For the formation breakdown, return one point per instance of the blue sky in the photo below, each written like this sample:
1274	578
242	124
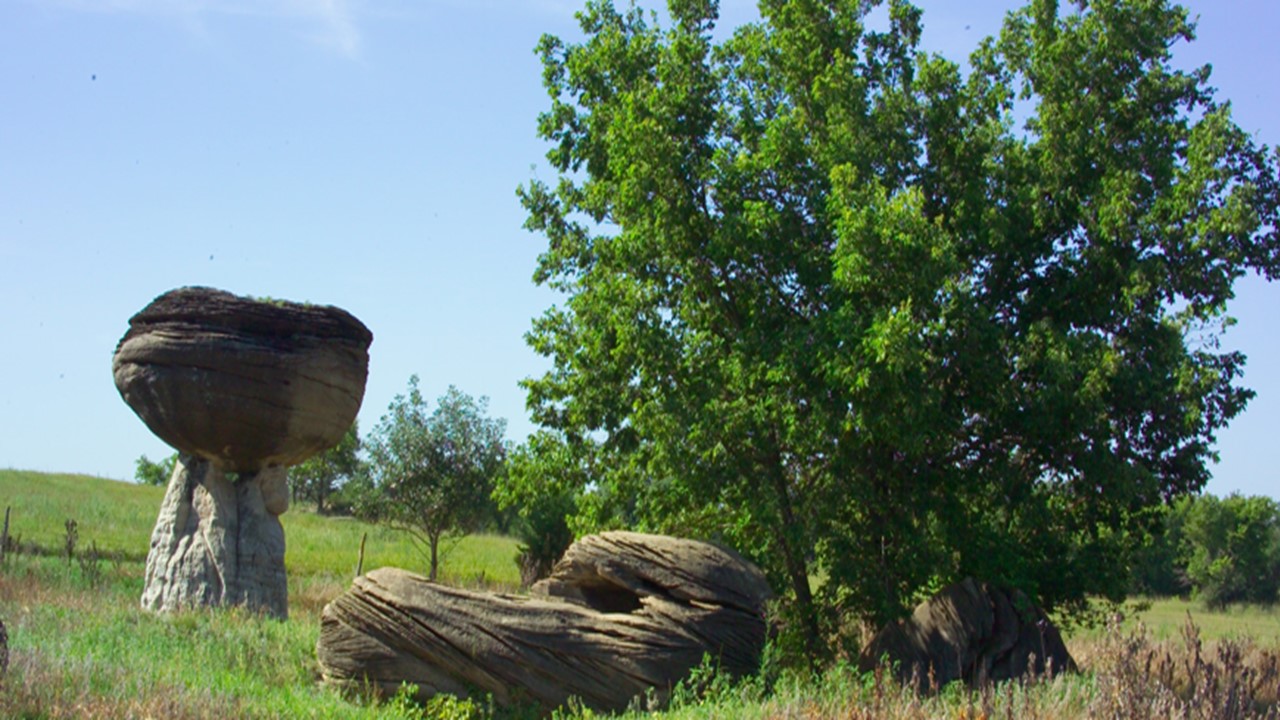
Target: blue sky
365	154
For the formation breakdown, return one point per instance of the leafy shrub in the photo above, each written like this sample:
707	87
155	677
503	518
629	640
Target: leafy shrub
544	534
154	473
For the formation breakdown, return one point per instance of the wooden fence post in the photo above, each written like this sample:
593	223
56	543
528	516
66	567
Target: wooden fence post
360	562
4	536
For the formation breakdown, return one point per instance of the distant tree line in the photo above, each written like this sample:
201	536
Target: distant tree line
1219	550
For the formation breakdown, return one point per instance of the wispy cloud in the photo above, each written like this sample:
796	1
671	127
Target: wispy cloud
329	23
336	22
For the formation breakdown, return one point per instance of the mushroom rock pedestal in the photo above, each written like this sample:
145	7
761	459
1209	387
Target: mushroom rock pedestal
242	388
622	614
218	540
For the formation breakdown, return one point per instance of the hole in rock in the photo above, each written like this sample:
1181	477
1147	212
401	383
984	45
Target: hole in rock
607	597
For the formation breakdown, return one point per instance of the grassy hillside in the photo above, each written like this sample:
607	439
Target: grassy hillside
118	517
81	647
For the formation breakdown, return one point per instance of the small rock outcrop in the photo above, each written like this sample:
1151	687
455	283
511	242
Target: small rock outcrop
242	388
971	631
621	614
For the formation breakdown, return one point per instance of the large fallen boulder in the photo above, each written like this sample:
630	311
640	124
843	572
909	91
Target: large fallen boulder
622	614
971	631
242	388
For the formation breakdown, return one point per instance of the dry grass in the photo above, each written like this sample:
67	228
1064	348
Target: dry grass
1125	675
308	595
1138	677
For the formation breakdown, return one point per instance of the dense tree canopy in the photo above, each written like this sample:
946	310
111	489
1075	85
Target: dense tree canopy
1230	549
541	485
1222	550
867	315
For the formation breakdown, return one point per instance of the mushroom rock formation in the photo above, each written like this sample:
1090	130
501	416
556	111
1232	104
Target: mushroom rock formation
621	614
971	631
241	388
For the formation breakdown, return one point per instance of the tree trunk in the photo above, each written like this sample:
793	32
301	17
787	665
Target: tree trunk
434	541
793	558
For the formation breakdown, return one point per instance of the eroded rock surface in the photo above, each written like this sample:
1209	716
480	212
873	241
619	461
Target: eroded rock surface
621	614
218	541
242	388
246	383
971	631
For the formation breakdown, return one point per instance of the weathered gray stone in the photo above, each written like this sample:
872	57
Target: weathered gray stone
275	489
243	382
216	542
242	388
622	614
971	631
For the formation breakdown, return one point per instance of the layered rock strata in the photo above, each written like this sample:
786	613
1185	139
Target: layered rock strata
245	383
218	540
242	388
622	615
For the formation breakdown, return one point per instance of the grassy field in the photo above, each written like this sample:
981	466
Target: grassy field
81	647
118	517
1164	619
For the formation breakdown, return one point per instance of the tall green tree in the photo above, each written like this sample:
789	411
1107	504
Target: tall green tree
835	301
317	477
432	473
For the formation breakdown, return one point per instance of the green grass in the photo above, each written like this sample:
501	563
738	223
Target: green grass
1166	617
82	648
117	516
315	544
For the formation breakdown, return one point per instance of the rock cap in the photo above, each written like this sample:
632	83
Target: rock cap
243	382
